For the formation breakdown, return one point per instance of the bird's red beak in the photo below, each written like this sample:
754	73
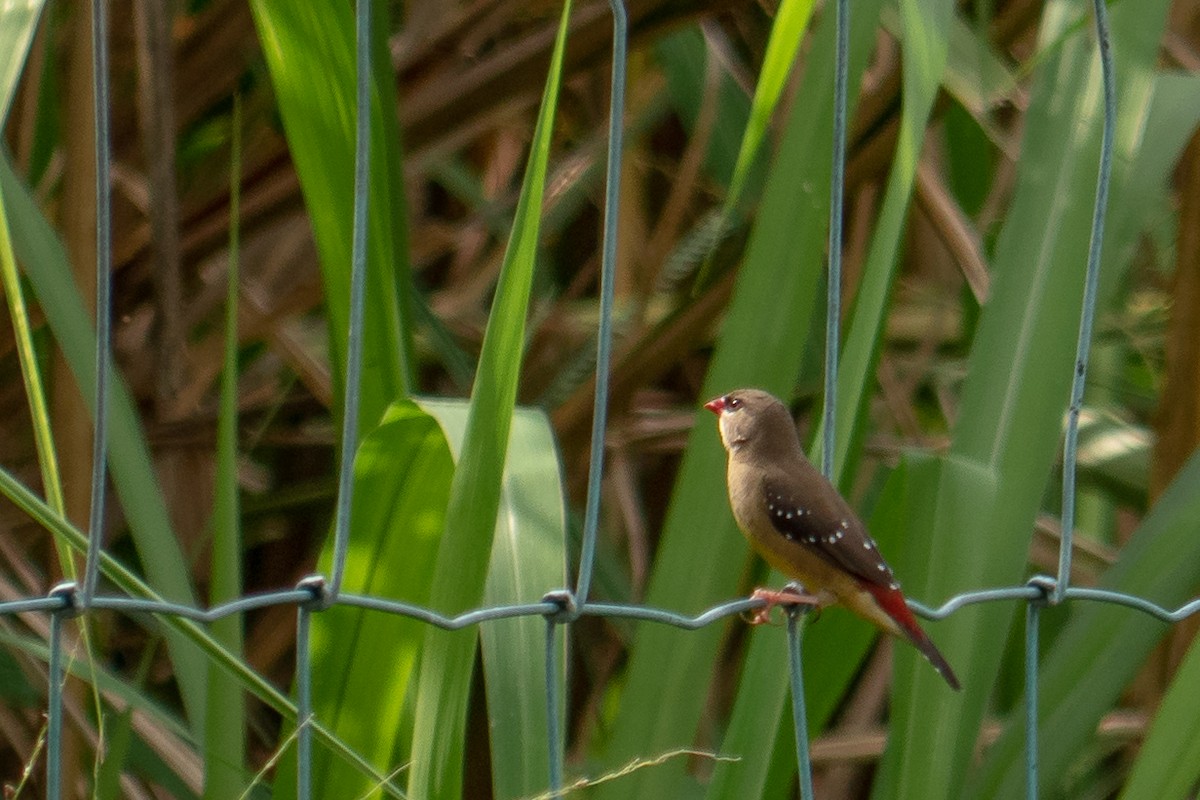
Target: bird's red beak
716	405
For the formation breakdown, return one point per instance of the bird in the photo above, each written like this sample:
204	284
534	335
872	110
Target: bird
802	526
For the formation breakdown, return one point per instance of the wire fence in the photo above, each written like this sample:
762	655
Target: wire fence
559	607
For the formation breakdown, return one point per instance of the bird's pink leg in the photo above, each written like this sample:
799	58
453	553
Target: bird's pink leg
788	597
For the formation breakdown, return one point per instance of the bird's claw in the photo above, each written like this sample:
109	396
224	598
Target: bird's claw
789	597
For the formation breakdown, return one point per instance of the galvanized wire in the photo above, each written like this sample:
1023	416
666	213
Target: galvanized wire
54	695
608	268
303	703
559	607
796	617
837	190
1033	617
358	278
554	743
103	294
1090	286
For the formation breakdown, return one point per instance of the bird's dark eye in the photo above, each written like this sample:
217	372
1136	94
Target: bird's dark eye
734	403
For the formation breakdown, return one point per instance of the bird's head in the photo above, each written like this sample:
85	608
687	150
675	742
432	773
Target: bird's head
751	419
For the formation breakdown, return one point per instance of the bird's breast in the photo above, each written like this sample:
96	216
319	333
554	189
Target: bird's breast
799	562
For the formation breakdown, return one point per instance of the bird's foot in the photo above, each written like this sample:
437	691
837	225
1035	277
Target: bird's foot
789	596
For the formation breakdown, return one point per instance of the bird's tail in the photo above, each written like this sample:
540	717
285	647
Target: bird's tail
892	602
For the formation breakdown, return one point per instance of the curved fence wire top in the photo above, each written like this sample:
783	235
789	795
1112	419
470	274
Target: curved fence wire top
449	534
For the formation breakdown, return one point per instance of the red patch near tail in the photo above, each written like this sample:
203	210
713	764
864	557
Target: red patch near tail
892	602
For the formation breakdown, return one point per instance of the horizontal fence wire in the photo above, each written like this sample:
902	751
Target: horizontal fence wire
559	607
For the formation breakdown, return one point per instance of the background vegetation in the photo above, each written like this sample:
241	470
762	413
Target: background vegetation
972	163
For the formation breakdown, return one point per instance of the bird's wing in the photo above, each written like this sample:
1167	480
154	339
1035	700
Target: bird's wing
834	533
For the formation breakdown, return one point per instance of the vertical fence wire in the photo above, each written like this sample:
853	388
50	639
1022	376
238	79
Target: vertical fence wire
304	733
833	315
1088	312
553	727
358	277
54	710
612	186
103	295
1032	620
833	297
796	618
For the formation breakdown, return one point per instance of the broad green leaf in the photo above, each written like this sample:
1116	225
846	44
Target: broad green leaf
528	558
1103	645
762	342
1162	130
950	493
1019	371
309	49
1168	763
363	660
447	659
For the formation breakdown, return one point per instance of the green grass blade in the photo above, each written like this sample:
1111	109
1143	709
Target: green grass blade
1103	645
447	659
184	629
977	77
528	557
1165	128
701	556
118	736
787	32
309	49
952	494
1168	764
362	662
1020	368
38	411
924	25
18	22
225	731
39	249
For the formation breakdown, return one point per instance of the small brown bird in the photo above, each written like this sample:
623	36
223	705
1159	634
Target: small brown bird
799	523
